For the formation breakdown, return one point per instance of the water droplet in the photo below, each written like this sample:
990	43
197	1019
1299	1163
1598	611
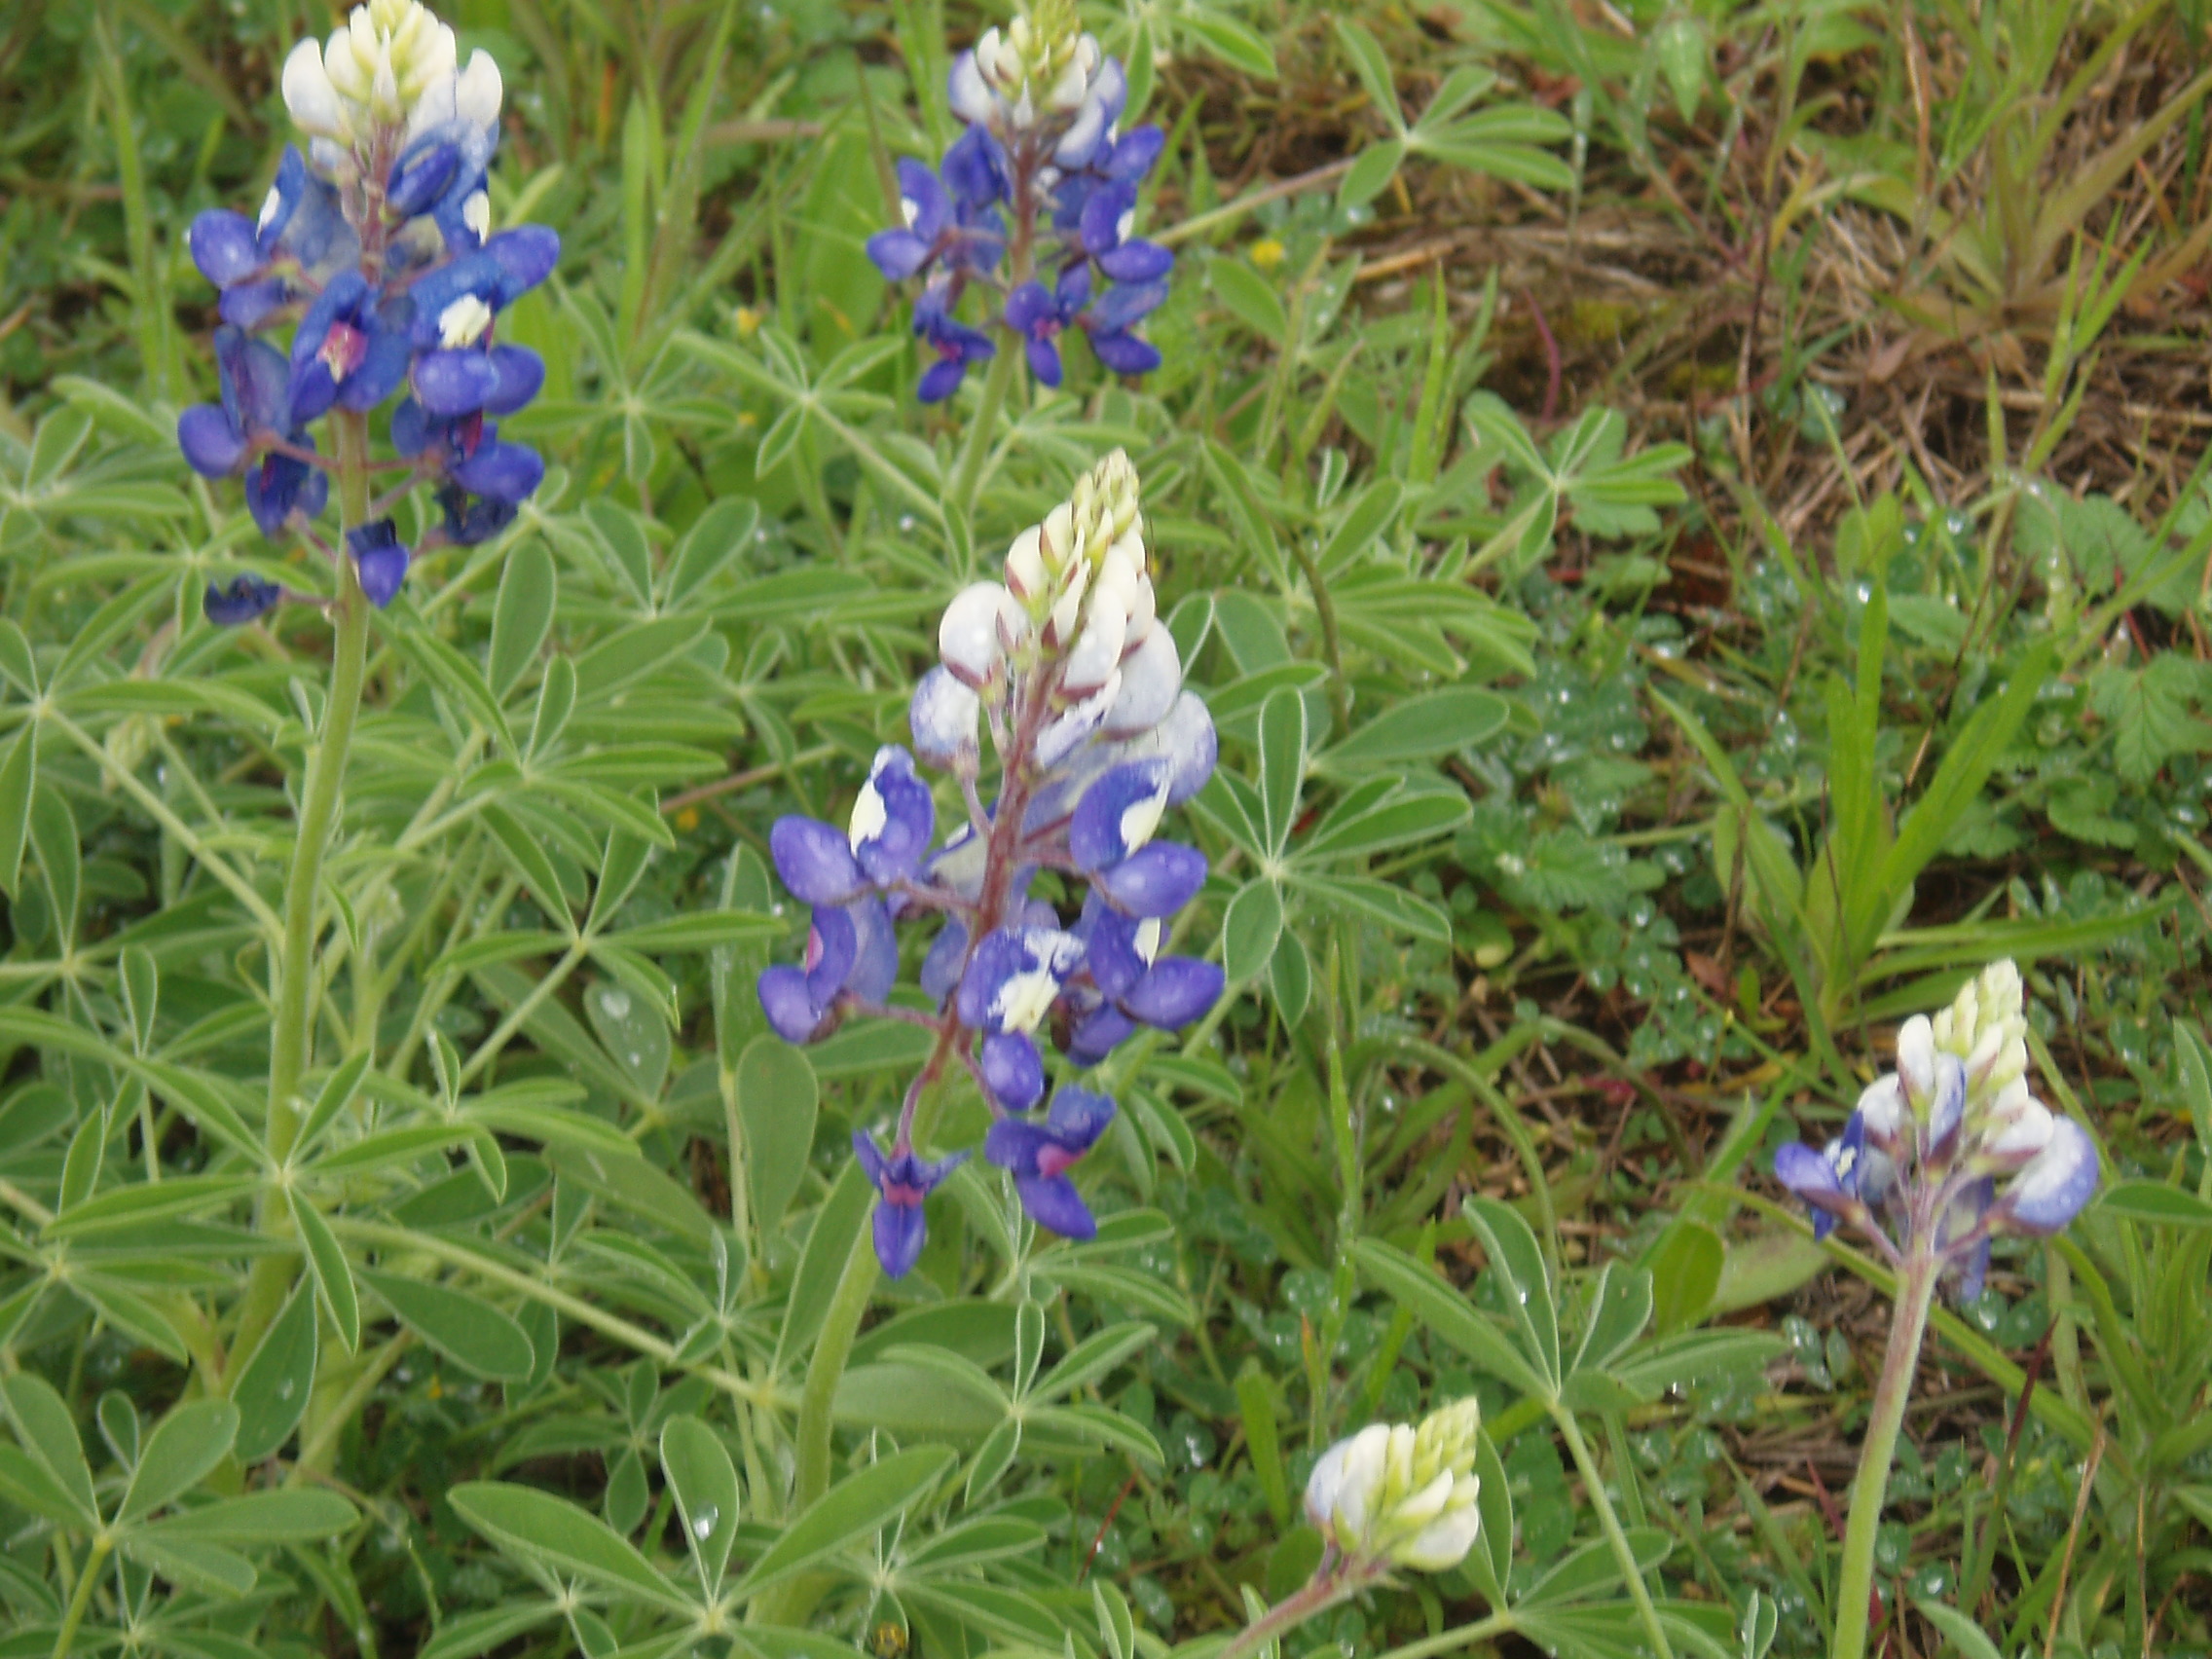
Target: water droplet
614	1003
284	1390
703	1524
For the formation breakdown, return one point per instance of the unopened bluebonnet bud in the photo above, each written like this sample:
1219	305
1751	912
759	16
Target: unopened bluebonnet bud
383	234
1040	661
903	1181
1919	1161
1401	1495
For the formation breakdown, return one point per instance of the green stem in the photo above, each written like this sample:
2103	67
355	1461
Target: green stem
66	1637
291	1036
831	1349
1323	1591
1631	1575
1004	367
1908	1324
790	1603
290	1040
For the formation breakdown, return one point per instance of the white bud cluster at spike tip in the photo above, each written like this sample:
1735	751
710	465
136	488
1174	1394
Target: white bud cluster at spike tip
1041	65
1078	590
394	66
1401	1494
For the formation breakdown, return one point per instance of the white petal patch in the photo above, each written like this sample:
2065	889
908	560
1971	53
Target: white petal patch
464	322
1147	939
1025	999
269	208
909	211
476	214
1141	818
868	816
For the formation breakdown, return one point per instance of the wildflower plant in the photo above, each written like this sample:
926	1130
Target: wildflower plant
1068	666
1035	207
377	248
1939	1157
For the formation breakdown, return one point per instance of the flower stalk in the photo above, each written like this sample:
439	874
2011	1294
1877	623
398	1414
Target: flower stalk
1908	1325
1917	1172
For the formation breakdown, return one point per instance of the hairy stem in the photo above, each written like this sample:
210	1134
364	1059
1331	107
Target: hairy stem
291	1039
1908	1324
1631	1575
1331	1584
67	1637
291	1035
999	382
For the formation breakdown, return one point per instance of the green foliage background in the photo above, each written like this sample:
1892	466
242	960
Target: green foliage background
1589	808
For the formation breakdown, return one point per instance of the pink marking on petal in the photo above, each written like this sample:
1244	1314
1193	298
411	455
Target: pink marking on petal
343	348
1054	1161
900	1192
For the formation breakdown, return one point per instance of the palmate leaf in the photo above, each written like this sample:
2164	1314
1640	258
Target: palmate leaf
539	1527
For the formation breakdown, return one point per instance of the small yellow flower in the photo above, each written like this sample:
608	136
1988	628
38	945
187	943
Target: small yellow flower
1267	253
748	320
687	820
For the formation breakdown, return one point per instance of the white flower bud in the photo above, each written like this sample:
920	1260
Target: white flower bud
1916	1061
972	639
1401	1494
1098	652
1025	571
1151	679
309	94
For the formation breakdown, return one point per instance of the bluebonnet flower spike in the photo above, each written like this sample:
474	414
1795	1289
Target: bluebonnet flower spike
1040	660
1044	149
1920	1162
384	229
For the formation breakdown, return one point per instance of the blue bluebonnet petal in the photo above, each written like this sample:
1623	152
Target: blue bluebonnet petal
525	256
898	254
2056	1183
1119	951
1176	991
833	946
875	969
892	818
1118	814
901	1231
247	304
473	519
213	447
276	486
420	177
941	967
1039	1155
521	372
1812	1178
503	472
814	861
246	597
383	367
1013	1071
1123	306
1126	354
975	169
455	383
1136	260
1133	153
941	380
224	246
1157	881
379	558
1098	1034
1014	976
792	1013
